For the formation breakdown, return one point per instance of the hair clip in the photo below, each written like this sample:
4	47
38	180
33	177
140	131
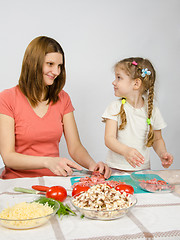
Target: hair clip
123	100
145	71
148	121
134	63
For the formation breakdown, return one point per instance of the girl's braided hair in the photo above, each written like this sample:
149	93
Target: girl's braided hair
133	67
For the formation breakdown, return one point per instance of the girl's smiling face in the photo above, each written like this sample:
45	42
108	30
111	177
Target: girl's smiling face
123	84
51	67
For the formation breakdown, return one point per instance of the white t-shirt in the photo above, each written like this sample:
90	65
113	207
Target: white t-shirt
135	133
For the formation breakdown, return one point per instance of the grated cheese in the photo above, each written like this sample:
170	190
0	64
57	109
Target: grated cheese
23	214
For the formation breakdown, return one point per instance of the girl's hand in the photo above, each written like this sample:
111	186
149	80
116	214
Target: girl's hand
166	159
102	168
61	166
133	157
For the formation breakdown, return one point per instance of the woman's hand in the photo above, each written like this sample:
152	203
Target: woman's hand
61	166
102	168
166	159
133	157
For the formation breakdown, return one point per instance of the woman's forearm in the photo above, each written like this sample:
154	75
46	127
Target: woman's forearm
82	157
19	161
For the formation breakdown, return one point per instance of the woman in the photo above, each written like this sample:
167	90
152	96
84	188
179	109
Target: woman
35	113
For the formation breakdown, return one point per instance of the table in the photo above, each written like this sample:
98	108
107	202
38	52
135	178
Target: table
156	216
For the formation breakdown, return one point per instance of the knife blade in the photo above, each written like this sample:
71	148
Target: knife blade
83	171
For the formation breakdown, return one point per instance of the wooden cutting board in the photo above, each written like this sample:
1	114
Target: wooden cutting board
127	179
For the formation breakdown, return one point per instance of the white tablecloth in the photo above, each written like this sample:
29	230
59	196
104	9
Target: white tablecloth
156	216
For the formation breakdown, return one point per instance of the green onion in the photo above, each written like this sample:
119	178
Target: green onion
25	190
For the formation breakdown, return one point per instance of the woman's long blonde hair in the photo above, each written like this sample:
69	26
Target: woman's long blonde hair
31	79
135	71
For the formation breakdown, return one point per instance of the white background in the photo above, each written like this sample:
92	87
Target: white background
95	34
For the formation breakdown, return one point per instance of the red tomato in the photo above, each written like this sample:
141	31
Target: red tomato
57	192
125	188
78	189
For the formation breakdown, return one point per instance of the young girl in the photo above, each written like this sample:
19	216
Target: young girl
34	115
133	123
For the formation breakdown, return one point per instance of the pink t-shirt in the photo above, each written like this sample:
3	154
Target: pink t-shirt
34	135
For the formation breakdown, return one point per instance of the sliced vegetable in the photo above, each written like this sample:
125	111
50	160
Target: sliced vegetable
78	189
125	188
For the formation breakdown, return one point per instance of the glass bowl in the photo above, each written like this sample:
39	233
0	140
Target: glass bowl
105	214
7	200
156	180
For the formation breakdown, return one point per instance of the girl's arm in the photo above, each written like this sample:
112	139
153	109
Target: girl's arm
133	157
76	149
160	148
19	161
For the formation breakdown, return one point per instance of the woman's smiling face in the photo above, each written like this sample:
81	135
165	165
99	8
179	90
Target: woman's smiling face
52	67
